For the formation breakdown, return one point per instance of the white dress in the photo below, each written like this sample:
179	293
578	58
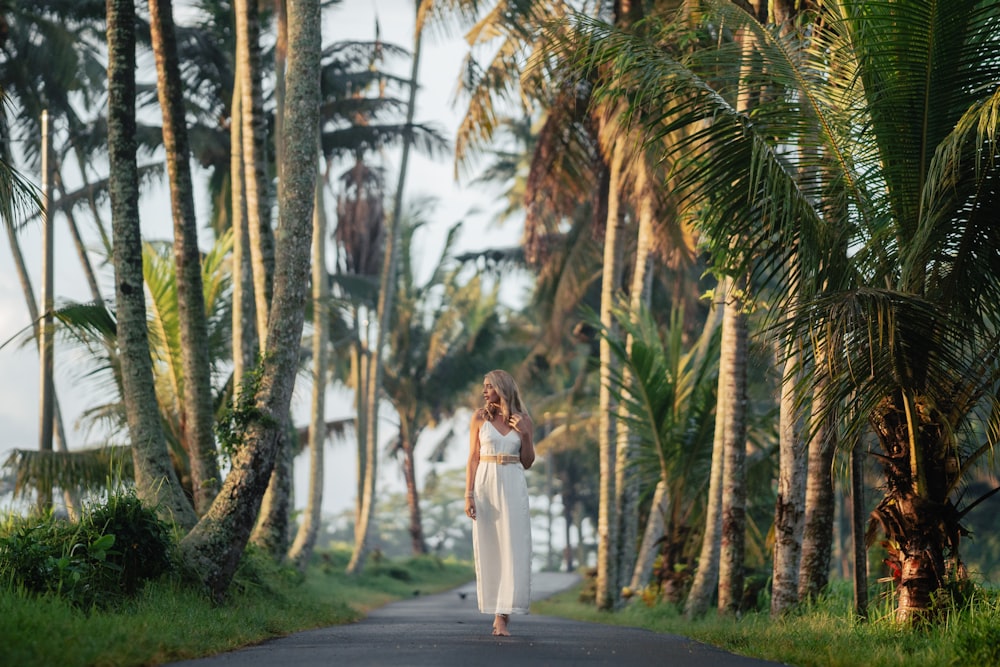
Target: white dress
501	533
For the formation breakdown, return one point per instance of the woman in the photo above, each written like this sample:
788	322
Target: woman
496	499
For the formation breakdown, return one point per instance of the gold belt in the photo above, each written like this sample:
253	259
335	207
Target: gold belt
500	458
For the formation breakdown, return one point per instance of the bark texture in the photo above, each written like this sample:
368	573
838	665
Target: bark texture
608	593
245	339
651	537
46	332
156	481
789	507
921	526
409	441
254	135
214	547
273	531
706	575
197	410
627	448
817	536
733	374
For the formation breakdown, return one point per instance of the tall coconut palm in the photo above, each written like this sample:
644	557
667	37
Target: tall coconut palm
254	135
903	124
213	548
383	313
519	29
155	479
198	416
301	549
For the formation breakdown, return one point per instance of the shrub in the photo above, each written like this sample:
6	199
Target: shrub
142	545
98	561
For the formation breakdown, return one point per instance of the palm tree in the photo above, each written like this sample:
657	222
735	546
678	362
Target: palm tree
902	126
254	133
444	336
92	328
198	416
155	479
668	396
521	28
300	552
214	546
383	312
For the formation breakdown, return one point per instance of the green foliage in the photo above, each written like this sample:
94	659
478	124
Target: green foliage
84	469
240	412
169	621
99	561
977	639
823	634
142	542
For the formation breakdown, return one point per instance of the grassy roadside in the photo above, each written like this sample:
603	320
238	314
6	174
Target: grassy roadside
823	635
169	621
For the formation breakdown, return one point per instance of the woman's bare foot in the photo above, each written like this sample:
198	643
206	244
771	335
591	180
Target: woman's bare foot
500	626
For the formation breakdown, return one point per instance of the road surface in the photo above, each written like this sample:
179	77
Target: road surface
447	630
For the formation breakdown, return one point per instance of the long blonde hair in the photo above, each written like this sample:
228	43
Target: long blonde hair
510	396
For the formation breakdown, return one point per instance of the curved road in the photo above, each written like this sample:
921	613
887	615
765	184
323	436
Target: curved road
447	630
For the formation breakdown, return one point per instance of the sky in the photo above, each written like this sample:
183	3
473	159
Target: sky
350	20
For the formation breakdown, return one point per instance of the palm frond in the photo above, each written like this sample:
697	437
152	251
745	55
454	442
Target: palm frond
85	470
668	392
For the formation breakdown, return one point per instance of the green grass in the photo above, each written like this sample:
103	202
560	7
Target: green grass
169	621
822	635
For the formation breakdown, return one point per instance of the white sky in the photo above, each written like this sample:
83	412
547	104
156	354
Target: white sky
352	19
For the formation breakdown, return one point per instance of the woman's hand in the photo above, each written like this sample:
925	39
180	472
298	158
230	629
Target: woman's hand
515	422
470	508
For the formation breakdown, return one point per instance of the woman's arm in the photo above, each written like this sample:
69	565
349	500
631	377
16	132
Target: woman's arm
473	464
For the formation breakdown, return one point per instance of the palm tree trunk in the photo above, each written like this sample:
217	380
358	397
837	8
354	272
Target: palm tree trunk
732	380
81	249
197	416
301	550
789	507
608	592
280	58
254	134
213	549
651	537
46	332
857	517
706	575
387	284
70	498
409	437
626	481
244	329
272	532
817	537
156	482
359	371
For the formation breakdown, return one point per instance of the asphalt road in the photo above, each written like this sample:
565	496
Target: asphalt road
447	630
